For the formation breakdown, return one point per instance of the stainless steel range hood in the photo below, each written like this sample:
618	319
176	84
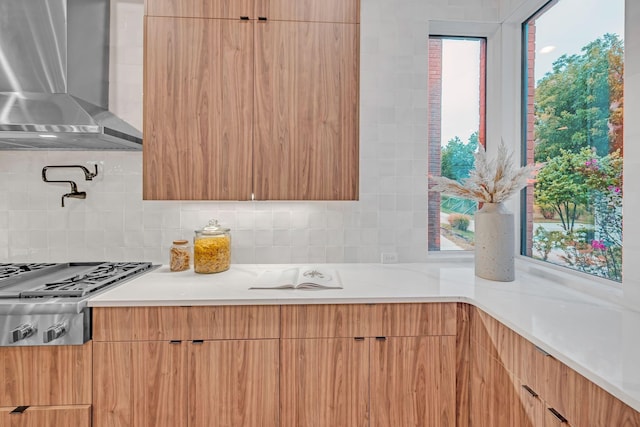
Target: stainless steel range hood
54	78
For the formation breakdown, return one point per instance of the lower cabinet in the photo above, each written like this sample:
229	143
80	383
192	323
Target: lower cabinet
46	416
186	383
375	365
518	384
324	382
413	381
45	386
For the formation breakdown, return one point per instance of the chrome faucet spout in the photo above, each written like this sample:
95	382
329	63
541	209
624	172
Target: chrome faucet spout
74	194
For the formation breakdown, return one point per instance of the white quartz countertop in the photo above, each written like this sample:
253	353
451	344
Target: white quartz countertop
597	338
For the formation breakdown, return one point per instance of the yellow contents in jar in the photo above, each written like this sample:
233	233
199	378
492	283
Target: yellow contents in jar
212	254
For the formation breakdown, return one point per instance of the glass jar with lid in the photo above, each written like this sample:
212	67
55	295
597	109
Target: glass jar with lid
180	256
212	249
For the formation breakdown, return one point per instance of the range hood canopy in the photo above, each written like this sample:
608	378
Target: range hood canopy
54	78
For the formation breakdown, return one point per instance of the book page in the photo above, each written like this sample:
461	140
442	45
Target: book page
318	277
273	279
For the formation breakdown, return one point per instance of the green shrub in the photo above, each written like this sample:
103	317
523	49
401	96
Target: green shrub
459	221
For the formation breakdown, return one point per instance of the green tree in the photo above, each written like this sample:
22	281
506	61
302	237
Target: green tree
457	157
579	103
562	186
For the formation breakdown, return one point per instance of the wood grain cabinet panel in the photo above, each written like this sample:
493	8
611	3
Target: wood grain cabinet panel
324	382
493	397
346	11
198	109
145	384
607	411
234	322
113	384
306	111
186	323
45	375
413	319
529	408
234	383
413	381
47	416
325	320
498	340
251	99
229	9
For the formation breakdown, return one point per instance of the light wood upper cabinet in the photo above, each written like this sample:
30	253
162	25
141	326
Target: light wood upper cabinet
197	109
346	11
225	9
262	107
306	111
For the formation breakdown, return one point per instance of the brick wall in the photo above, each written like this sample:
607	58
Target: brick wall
530	137
435	138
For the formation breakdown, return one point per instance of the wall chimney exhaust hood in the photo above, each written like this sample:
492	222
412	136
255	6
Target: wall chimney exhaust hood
54	78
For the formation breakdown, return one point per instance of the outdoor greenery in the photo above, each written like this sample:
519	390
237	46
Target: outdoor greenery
578	130
457	157
459	221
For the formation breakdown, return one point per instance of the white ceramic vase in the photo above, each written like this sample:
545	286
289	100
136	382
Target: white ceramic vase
494	243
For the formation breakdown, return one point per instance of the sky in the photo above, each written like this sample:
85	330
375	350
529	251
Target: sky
460	88
564	29
571	24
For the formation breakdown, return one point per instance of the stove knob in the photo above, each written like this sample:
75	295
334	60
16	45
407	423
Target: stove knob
21	332
54	332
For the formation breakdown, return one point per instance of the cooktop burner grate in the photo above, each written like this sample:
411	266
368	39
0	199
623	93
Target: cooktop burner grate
13	270
82	284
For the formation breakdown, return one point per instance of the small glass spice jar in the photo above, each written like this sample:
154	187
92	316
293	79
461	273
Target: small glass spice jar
212	249
180	255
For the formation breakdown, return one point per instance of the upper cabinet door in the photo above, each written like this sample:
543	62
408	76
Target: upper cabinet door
306	111
230	9
346	11
198	106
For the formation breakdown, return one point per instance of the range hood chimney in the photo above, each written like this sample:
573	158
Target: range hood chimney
54	78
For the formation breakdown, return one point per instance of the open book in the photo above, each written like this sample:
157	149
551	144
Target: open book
311	277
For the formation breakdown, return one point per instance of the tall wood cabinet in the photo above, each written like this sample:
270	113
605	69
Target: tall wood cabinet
251	100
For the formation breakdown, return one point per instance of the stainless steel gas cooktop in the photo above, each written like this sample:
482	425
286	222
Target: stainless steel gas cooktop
46	303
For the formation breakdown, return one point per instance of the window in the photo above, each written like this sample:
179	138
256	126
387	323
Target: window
572	126
457	67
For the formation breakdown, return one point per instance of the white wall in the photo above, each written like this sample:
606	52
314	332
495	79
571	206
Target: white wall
114	223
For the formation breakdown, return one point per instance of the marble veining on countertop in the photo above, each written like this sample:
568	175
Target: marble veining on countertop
596	337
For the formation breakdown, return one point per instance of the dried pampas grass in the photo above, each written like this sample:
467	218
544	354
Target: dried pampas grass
492	181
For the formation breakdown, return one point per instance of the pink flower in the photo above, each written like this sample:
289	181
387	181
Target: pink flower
598	244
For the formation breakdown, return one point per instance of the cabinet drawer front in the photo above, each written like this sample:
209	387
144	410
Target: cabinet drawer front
413	319
234	322
45	416
185	323
325	321
230	9
140	323
48	375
